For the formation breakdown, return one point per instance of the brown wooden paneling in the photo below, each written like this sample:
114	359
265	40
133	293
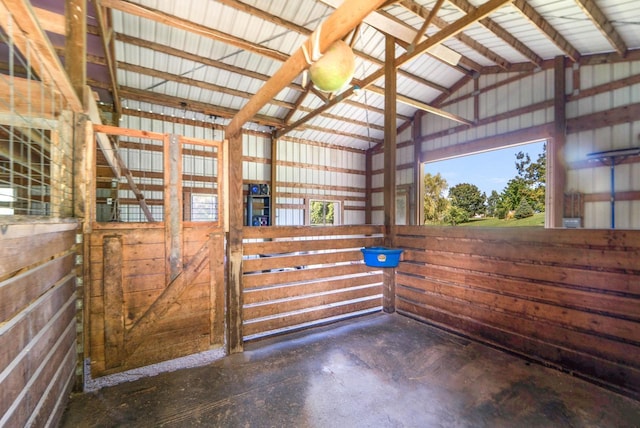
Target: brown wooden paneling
296	277
37	323
570	298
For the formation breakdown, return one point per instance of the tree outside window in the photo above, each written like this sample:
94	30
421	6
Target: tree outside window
324	213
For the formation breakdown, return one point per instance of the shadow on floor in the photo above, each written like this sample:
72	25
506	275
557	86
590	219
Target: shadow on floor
374	371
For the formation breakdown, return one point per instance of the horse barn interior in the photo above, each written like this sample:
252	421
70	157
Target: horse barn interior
158	263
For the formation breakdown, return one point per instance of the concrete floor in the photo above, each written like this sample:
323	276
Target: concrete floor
374	371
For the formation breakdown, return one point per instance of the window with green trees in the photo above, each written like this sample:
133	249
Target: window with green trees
324	212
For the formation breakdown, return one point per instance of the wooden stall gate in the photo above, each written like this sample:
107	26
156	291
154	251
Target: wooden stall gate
157	288
297	277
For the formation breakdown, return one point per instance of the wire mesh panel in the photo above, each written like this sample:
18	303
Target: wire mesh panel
36	148
201	185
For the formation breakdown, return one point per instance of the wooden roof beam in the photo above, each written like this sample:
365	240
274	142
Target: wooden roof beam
106	37
26	31
450	31
591	9
423	12
536	19
192	27
499	31
337	25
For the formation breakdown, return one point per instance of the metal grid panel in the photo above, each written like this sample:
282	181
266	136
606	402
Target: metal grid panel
36	138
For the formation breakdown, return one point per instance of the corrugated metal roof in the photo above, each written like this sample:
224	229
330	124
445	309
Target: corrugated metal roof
215	76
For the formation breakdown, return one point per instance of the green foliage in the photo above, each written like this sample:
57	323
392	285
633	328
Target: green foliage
434	204
493	202
455	215
322	212
468	197
524	210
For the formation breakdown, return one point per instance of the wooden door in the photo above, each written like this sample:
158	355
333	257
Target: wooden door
157	288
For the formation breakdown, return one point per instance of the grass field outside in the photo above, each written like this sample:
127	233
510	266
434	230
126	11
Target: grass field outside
535	220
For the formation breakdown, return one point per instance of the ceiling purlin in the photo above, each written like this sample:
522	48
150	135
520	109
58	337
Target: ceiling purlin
499	31
192	27
591	9
422	12
450	31
536	19
106	36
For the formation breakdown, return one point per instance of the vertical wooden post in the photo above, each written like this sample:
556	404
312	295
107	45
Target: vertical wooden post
75	49
389	282
216	270
113	301
173	205
368	186
416	136
555	149
234	247
274	177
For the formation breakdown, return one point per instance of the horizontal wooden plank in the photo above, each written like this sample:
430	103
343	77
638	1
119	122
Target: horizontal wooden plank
287	305
41	248
300	260
18	291
616	376
290	320
555	294
287	277
16	334
46	350
571	276
553	333
276	292
587	238
301	231
283	247
623	258
527	310
16	228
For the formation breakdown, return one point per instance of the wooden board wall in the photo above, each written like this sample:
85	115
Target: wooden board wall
37	321
569	298
294	277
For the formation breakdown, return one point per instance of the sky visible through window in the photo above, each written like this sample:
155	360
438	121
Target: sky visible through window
489	170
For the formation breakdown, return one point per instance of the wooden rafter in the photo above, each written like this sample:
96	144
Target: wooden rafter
106	37
192	27
450	31
591	9
499	31
441	23
26	31
538	20
343	20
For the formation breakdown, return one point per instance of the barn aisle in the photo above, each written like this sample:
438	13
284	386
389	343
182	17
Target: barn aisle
374	371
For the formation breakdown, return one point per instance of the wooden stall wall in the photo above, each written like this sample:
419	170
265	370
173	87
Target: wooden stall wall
296	277
567	298
37	320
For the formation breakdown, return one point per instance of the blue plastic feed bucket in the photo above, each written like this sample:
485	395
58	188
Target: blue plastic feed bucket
381	256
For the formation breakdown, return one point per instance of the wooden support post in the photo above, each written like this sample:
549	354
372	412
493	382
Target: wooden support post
557	168
274	177
173	205
216	270
75	48
113	299
234	246
389	287
416	136
368	218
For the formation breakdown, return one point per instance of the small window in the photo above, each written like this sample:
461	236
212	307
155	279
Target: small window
204	207
7	198
324	213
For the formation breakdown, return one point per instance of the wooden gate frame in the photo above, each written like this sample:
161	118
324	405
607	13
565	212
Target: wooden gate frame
121	342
